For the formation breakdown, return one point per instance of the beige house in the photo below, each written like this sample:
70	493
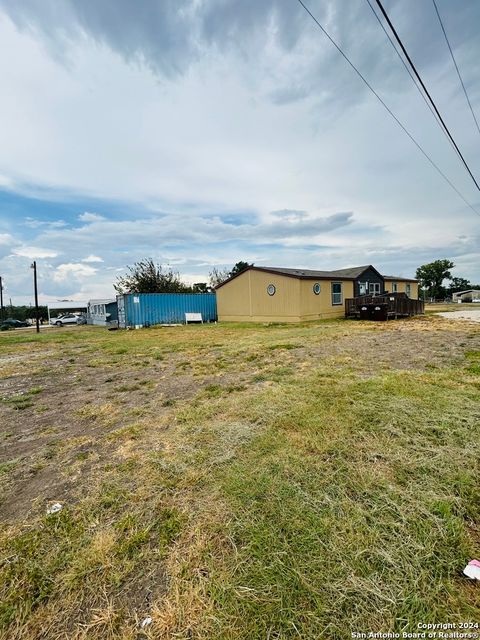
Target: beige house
400	284
264	294
273	294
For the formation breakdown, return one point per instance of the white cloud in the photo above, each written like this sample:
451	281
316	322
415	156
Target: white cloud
90	217
74	270
35	223
6	239
34	252
333	150
5	182
92	258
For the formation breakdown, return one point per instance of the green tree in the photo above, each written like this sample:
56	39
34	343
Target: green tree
239	267
147	277
459	284
217	276
432	275
23	312
201	287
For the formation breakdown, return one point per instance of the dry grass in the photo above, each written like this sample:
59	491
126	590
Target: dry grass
241	481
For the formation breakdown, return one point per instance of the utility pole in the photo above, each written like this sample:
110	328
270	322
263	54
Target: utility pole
37	320
1	299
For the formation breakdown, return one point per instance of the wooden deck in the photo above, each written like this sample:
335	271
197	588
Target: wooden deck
384	307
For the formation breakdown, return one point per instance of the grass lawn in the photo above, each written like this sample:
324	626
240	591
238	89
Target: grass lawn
239	482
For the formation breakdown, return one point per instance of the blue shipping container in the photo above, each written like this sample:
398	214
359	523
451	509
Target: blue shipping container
145	309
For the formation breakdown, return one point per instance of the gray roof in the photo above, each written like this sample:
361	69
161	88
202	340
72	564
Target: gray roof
102	301
353	272
350	273
399	278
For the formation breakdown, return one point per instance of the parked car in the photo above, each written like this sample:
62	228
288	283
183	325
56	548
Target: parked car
67	318
82	319
11	323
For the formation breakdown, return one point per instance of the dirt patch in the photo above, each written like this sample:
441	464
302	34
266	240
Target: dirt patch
473	315
398	349
54	440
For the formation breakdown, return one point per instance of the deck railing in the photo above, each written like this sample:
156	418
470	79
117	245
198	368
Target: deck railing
395	305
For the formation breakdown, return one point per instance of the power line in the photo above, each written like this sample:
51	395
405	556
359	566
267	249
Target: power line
456	66
411	75
365	81
405	53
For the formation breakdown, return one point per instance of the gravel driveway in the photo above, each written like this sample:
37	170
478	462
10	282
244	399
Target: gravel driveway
470	314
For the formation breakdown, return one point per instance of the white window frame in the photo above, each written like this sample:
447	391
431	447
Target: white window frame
408	289
394	287
340	293
365	288
373	287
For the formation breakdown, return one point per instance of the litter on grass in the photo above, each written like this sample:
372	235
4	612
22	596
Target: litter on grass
55	508
472	570
146	622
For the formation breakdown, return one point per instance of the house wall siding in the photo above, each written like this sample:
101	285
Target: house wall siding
245	299
369	275
284	304
313	307
402	287
233	299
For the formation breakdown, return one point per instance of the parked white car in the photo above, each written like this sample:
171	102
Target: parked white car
67	318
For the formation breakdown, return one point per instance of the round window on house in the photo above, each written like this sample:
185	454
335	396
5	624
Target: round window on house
271	289
316	288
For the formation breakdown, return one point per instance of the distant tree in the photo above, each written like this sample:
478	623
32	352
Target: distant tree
147	277
432	275
23	312
217	276
459	284
201	287
239	267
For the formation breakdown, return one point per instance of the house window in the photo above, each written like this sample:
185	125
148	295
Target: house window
408	289
362	288
374	288
316	288
394	287
271	289
337	295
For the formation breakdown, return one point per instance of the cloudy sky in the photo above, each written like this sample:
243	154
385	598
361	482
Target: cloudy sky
202	132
